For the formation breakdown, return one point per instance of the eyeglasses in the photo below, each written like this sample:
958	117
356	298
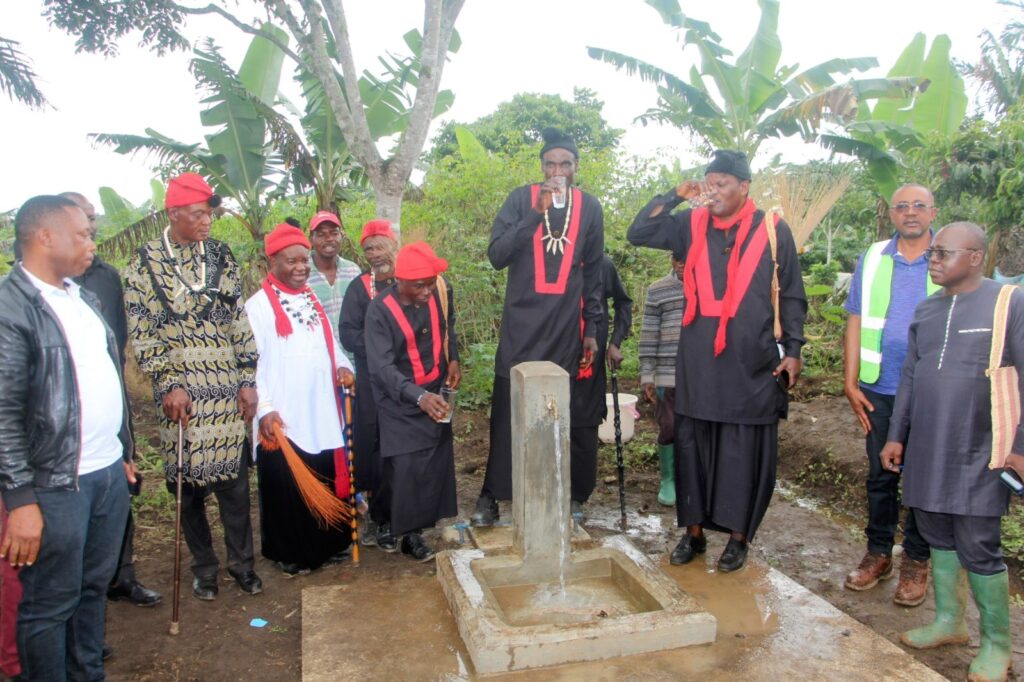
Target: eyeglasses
942	254
905	206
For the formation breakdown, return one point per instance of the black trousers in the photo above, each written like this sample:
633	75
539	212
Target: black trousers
582	462
125	562
498	478
725	474
975	539
233	501
883	489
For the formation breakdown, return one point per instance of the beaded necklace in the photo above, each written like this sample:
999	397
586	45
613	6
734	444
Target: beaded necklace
557	241
301	309
194	288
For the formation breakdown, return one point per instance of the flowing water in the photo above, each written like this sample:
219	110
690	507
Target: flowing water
582	600
563	518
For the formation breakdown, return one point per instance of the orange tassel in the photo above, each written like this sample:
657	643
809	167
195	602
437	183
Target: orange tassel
319	497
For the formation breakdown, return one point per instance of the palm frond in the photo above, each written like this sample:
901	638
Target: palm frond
17	78
127	241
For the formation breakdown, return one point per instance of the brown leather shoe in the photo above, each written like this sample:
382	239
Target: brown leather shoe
873	567
913	585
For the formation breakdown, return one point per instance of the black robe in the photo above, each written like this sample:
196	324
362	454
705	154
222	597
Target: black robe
536	326
418	457
539	326
736	387
942	408
366	439
729	406
589	407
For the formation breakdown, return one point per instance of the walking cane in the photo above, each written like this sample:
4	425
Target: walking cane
618	448
178	466
351	475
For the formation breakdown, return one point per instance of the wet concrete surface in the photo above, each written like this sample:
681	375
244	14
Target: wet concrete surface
769	627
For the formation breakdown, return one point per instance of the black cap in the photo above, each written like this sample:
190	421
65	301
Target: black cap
731	162
556	139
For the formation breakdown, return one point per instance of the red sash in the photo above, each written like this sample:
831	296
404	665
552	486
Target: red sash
709	305
366	283
419	375
540	276
284	328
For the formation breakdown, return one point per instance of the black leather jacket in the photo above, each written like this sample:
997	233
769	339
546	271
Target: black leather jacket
40	429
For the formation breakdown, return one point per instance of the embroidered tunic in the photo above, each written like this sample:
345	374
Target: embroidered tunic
199	341
546	326
942	408
737	386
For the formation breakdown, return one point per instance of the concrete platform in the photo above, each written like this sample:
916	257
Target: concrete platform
662	617
769	628
498	538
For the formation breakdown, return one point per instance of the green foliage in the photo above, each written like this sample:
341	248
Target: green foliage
518	123
1013	532
824	328
17	79
741	102
236	160
1001	69
847	229
880	136
980	168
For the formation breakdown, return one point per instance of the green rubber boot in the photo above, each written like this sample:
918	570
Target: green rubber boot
950	585
992	595
667	492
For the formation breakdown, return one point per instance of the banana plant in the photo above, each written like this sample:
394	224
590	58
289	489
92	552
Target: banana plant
882	135
740	102
237	159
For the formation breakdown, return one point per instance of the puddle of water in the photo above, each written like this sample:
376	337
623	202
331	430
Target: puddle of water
579	601
744	603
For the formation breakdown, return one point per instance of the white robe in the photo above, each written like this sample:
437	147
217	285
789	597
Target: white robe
294	377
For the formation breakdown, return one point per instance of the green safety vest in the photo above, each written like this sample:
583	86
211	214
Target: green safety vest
875	291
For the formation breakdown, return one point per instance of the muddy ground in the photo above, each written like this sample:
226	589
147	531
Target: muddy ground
811	533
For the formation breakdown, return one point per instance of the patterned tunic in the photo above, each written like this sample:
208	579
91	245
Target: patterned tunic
197	341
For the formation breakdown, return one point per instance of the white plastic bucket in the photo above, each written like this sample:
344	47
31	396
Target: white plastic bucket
627	415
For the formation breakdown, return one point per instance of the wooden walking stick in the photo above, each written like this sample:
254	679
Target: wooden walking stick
178	466
351	475
619	463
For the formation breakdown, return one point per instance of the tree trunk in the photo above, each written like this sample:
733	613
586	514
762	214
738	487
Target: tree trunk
389	207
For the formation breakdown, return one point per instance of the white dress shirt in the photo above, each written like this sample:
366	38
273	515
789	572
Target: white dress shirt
294	376
100	400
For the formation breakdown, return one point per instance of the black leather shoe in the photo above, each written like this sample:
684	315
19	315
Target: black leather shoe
108	652
414	546
248	581
733	557
290	570
688	547
486	513
385	540
205	588
134	592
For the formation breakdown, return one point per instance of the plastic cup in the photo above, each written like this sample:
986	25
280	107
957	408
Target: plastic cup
449	395
558	197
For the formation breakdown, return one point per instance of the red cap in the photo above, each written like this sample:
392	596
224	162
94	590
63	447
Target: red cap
377	228
187	189
418	261
283	236
323	217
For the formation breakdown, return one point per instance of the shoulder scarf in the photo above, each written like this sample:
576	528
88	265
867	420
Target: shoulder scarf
697	282
419	375
283	325
540	277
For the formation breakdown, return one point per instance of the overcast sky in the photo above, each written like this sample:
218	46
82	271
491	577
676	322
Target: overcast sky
507	47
